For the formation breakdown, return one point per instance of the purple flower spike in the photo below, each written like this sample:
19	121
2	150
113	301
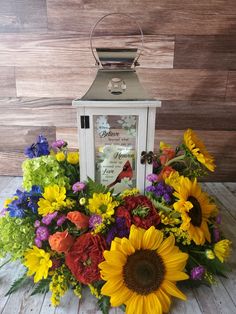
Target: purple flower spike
197	273
218	219
36	223
78	186
61	220
58	144
38	242
42	233
216	233
95	220
49	218
152	177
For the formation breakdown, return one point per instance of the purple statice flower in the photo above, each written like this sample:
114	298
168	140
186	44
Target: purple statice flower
78	186
36	223
152	177
197	272
167	198
49	218
119	229
151	188
94	221
61	220
40	148
216	233
42	233
219	219
58	144
38	242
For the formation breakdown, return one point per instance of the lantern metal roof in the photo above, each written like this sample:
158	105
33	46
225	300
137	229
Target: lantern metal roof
116	81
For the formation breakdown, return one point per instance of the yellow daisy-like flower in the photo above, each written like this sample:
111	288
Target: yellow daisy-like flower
198	149
195	208
141	272
73	158
222	249
102	204
53	200
38	262
173	179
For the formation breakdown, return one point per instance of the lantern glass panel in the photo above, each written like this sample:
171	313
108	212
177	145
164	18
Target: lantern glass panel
115	138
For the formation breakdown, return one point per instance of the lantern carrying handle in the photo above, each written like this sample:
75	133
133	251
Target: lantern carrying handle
102	18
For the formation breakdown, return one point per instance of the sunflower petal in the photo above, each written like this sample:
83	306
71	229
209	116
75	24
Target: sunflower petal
152	239
164	300
153	304
136	236
171	288
120	296
176	275
166	246
115	257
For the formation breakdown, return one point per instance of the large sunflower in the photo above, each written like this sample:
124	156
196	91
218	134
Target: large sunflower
195	208
198	149
141	271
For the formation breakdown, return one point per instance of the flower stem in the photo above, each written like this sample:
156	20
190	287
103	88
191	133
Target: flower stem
5	263
176	159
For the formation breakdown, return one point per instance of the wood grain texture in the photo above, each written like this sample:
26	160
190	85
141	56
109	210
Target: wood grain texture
205	52
184	84
172	115
158	18
7	82
71	50
23	16
231	86
163	84
16	138
205	115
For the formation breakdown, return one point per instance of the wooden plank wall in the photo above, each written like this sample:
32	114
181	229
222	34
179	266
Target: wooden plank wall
189	62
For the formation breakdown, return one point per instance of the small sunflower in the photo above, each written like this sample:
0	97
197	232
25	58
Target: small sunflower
198	149
195	208
141	272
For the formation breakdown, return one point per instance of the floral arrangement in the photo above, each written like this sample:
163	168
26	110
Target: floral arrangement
129	249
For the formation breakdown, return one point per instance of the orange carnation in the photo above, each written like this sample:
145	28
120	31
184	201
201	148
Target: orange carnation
61	242
80	220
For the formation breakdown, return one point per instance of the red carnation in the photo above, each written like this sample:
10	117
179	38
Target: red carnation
132	208
84	257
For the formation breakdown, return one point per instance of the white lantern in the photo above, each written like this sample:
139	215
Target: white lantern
116	123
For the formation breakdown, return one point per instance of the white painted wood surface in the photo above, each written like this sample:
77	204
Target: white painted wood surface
219	299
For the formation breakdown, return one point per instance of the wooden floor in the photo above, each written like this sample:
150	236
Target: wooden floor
219	299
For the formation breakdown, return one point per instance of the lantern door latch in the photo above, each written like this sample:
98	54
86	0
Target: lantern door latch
148	157
84	122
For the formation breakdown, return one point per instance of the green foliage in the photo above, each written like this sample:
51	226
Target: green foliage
42	286
95	187
43	171
104	304
16	235
17	284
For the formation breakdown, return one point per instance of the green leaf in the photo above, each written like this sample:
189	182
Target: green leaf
95	187
17	284
104	304
42	286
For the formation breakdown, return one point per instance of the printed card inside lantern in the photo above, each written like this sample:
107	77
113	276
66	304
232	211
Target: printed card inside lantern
116	123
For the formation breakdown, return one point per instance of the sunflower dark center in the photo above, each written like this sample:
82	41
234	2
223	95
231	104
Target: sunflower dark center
195	212
144	272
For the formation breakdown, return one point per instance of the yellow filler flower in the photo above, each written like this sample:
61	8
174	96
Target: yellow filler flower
38	262
73	158
222	249
141	272
195	208
53	199
198	149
